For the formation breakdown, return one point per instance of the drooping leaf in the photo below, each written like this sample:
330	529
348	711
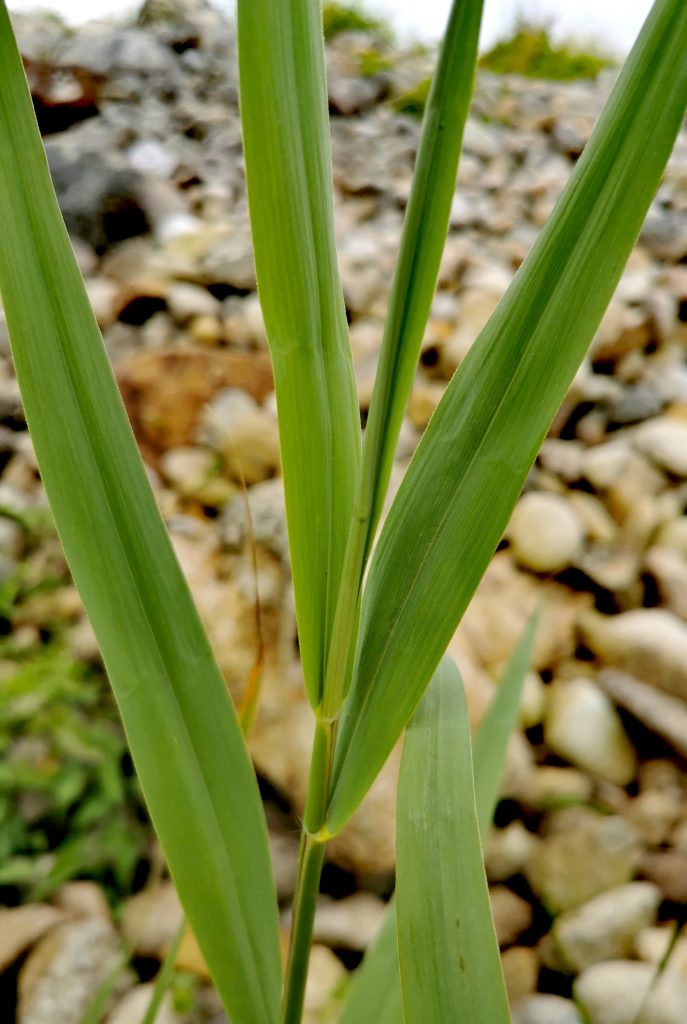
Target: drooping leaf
289	176
448	953
187	746
464	479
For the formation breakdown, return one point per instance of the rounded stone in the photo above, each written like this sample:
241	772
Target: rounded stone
545	532
582	726
615	991
606	926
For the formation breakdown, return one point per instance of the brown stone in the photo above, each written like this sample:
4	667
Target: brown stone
165	390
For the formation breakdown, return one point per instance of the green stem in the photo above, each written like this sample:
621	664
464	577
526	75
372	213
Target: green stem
310	862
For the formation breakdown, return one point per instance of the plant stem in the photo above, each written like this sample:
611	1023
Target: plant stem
310	860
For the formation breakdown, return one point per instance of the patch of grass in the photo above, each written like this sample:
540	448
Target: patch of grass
69	803
414	101
373	62
338	18
531	52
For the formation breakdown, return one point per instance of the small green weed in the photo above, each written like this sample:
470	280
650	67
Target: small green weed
69	803
338	18
531	52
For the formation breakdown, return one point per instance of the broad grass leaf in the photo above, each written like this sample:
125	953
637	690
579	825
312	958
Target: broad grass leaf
375	995
448	953
454	503
188	749
289	176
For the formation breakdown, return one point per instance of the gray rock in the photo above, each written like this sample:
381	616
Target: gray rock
648	642
21	927
614	993
268	517
109	51
507	850
512	915
664	715
99	197
583	855
582	726
669	569
636	404
605	927
664	439
65	970
132	1008
245	434
545	1009
348	923
545	532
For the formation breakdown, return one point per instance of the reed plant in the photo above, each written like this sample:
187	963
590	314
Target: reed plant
372	636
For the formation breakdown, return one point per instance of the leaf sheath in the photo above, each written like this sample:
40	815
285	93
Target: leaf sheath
289	176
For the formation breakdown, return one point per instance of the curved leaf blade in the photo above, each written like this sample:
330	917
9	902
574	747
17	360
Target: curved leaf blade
288	169
464	479
186	743
448	953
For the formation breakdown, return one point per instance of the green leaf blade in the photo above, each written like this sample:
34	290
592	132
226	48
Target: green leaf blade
375	996
186	743
497	724
422	244
448	953
467	472
288	169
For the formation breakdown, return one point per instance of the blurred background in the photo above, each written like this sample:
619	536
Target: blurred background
588	859
614	23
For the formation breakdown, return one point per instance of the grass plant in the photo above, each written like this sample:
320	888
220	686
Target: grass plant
372	637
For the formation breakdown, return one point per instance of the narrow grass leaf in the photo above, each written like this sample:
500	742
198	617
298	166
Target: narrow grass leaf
497	725
288	169
448	953
187	746
422	243
375	994
467	472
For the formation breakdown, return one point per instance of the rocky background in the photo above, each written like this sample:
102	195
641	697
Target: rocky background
588	857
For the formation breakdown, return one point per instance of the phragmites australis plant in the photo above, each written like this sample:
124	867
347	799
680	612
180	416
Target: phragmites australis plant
371	636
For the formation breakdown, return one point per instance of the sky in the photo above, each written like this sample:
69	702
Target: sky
612	24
